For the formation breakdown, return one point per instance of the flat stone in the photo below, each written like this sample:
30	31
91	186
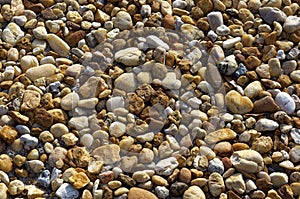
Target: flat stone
194	192
129	56
271	14
117	129
40	32
265	105
137	193
79	123
58	45
285	102
92	87
220	135
154	42
237	103
109	154
69	101
266	125
35	72
247	161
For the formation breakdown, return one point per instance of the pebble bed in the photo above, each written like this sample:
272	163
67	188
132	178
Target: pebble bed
148	99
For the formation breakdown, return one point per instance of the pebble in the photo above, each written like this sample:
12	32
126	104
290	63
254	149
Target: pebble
216	184
123	21
236	182
40	32
228	66
12	33
166	166
229	43
291	24
237	103
126	82
16	187
285	102
136	193
278	179
129	56
29	141
220	135
58	45
109	154
223	30
271	14
66	191
162	192
247	160
34	73
215	19
253	89
266	125
194	192
5	163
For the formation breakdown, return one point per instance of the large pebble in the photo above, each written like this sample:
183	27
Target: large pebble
248	161
166	166
216	184
29	141
285	102
291	24
154	42
69	101
228	66
123	21
31	100
66	191
12	33
138	193
220	135
237	103
28	61
109	154
58	45
129	56
266	125
215	19
40	32
236	182
253	89
278	179
271	14
194	192
35	72
126	82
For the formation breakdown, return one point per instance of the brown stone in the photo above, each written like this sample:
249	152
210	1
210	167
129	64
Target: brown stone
286	192
8	134
5	163
168	22
252	62
79	155
185	175
265	105
106	177
43	117
263	184
31	100
136	104
79	180
48	14
73	38
206	6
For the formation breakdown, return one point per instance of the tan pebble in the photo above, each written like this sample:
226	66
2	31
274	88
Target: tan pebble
34	73
3	191
185	175
58	45
16	187
239	146
199	182
5	163
194	192
120	191
8	134
220	135
237	103
160	181
87	194
33	155
114	184
79	180
33	192
138	193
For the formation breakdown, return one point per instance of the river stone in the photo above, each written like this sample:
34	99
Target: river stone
237	103
154	41
35	72
236	182
215	19
129	56
126	82
66	191
220	135
266	125
69	101
166	166
123	21
285	102
58	45
216	184
194	192
138	193
291	24
253	89
109	154
12	33
271	14
28	61
249	161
